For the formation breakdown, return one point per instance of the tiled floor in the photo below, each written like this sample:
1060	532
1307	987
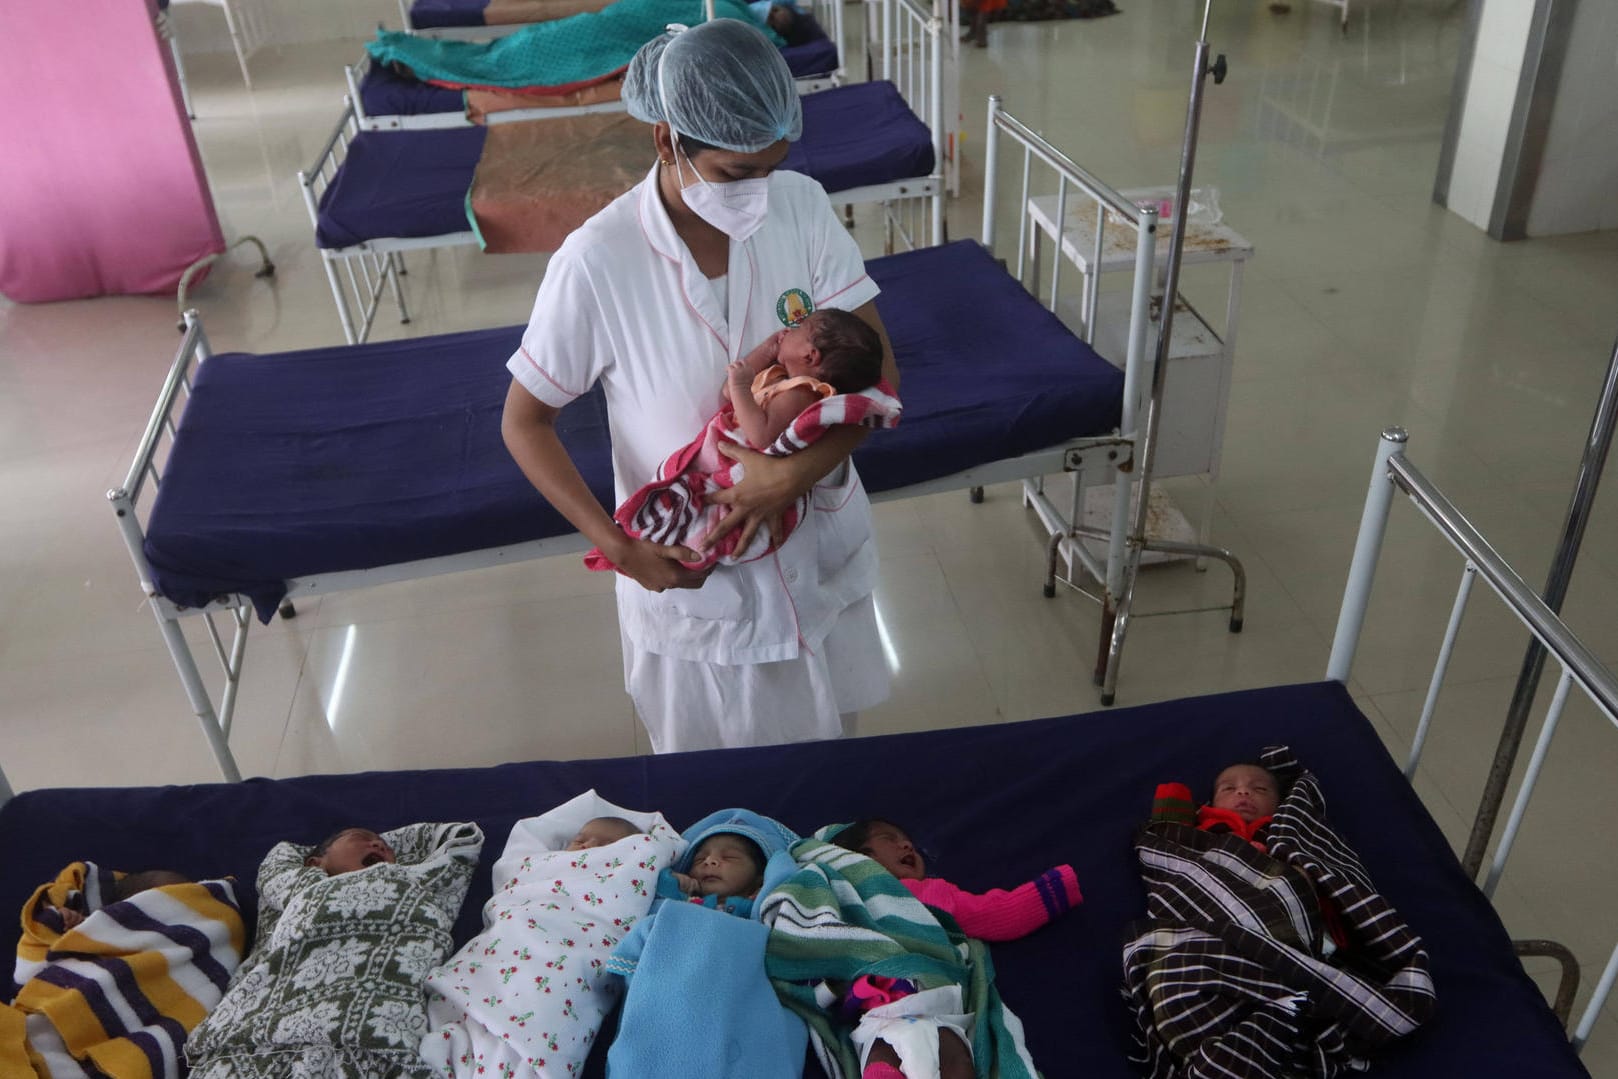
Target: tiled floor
1365	305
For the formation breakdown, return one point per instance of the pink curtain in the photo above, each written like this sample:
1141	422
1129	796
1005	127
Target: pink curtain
101	187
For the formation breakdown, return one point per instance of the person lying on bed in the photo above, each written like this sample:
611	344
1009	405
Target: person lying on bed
994	915
115	969
527	995
696	989
73	912
1239	967
347	931
890	988
552	57
782	396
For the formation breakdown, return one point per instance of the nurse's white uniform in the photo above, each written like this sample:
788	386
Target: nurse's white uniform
773	650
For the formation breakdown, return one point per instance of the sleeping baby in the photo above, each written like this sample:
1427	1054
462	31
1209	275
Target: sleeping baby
347	931
527	995
799	383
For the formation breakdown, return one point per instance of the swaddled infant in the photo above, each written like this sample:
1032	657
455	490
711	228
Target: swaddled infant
347	932
527	995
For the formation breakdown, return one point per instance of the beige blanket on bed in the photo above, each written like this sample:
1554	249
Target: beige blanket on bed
480	103
538	180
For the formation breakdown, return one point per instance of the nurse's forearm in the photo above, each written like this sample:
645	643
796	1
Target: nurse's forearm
539	452
827	452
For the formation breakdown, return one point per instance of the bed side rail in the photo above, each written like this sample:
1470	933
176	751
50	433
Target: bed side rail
905	46
1391	472
128	508
1076	186
314	180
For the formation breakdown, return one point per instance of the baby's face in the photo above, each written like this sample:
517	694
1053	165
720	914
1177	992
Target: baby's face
724	866
1246	790
797	350
598	833
890	848
355	849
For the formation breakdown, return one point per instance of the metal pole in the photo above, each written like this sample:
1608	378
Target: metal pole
1556	584
1367	549
1115	620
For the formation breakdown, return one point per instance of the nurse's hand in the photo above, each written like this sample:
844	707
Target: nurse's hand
656	567
769	485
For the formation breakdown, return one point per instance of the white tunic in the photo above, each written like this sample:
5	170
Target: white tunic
623	303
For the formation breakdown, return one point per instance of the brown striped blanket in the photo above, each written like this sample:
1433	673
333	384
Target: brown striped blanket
1232	972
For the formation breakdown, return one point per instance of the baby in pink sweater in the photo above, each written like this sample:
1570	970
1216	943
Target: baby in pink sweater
995	915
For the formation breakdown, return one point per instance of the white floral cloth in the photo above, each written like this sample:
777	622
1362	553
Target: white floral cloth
526	997
333	987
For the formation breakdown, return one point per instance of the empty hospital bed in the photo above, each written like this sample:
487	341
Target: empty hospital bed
373	195
1074	788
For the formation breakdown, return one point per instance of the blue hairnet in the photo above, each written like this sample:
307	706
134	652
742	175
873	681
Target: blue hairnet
721	82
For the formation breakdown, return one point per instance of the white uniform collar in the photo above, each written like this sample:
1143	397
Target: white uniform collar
658	229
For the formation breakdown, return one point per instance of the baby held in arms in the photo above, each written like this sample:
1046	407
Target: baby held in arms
799	383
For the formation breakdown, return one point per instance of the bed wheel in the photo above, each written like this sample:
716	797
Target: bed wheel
1050	591
976	495
1107	699
287	610
405	321
1235	625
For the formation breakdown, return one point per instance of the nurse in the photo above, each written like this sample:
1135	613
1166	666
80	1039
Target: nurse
653	297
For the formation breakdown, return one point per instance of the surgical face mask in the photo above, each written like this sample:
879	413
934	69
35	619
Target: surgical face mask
737	208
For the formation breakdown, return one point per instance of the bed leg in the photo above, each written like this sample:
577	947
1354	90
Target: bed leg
395	267
1568	986
1053	548
287	610
201	704
848	215
1107	649
976	495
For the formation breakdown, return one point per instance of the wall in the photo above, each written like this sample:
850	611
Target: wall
1491	91
200	26
1577	187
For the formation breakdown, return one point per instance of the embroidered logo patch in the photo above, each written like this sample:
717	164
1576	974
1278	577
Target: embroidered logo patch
794	306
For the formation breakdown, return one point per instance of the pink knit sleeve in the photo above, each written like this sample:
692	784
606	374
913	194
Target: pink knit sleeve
999	914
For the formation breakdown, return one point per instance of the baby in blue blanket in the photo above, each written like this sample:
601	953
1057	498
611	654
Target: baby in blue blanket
696	988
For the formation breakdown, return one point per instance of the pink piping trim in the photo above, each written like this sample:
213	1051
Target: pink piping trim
543	373
845	288
846	499
797	626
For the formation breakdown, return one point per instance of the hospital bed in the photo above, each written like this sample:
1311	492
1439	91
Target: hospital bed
259	504
386	100
993	804
373	195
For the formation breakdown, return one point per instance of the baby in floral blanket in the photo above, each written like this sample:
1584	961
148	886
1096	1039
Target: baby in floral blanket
347	932
527	996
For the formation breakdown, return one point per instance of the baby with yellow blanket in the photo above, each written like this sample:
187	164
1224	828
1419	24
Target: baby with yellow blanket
115	971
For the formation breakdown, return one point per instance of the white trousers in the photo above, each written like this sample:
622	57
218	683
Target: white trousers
687	705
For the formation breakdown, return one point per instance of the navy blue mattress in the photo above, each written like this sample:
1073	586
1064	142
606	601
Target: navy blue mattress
414	183
433	14
369	455
994	805
396	184
859	135
385	92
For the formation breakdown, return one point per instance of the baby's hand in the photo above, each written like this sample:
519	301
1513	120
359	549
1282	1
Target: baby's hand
738	380
688	884
70	917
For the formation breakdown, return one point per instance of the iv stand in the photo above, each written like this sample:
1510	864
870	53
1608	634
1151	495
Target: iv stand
1115	622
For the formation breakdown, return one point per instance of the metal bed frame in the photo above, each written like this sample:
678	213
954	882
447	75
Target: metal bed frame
1393	473
829	13
913	208
1102	455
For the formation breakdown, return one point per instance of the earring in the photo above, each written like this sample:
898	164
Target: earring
665	162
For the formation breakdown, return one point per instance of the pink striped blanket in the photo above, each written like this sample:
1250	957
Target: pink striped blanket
676	507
